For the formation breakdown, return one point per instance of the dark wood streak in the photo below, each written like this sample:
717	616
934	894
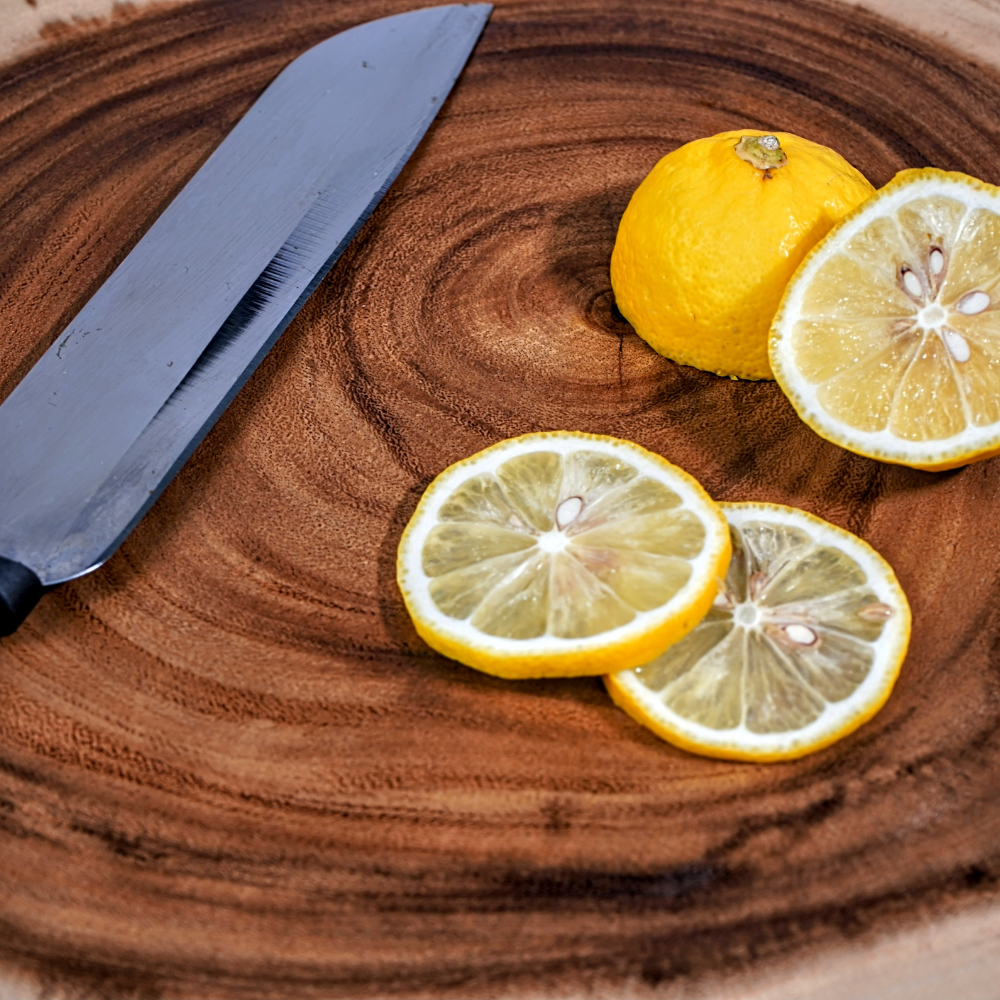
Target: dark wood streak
229	767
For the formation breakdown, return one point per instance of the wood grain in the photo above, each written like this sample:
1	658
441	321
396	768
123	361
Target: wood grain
228	766
27	25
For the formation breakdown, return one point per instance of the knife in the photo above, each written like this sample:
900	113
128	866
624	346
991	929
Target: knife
107	416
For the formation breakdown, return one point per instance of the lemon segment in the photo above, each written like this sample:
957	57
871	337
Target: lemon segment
560	554
802	645
887	341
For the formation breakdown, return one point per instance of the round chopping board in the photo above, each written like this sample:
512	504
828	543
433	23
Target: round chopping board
228	765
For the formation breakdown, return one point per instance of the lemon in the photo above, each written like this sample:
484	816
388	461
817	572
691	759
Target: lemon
560	554
712	236
802	645
888	339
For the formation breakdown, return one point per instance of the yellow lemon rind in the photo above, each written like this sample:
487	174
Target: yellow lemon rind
633	644
972	445
629	694
717	325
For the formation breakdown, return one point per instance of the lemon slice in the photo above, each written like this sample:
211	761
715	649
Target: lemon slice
887	341
560	554
802	645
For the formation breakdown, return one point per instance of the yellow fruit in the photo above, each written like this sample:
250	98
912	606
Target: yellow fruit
710	239
801	647
560	554
887	341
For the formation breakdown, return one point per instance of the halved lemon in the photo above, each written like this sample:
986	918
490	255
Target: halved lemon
887	340
560	554
802	645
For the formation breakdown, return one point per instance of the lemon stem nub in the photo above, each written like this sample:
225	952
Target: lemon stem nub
763	151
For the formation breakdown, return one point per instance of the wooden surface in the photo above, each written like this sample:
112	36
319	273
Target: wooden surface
229	768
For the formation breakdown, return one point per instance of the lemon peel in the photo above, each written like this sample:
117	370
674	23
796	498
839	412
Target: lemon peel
712	235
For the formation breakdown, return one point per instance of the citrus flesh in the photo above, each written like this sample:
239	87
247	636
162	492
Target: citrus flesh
802	645
709	241
887	341
560	554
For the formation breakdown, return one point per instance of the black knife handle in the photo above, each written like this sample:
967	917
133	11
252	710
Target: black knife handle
20	591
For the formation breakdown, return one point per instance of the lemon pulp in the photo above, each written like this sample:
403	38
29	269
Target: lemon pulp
801	646
888	339
559	554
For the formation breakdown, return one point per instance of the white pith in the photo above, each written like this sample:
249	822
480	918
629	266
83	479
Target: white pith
929	315
837	718
415	582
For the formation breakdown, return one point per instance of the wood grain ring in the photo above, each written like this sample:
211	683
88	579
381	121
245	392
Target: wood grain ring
229	768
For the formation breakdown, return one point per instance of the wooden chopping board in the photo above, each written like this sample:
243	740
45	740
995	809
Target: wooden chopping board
228	766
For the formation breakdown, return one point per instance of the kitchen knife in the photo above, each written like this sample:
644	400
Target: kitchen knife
107	416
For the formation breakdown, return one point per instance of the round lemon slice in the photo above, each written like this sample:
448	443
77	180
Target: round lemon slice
887	340
802	645
560	554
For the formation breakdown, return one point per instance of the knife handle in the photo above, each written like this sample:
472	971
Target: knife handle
20	591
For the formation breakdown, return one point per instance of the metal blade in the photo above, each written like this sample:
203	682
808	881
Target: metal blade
111	411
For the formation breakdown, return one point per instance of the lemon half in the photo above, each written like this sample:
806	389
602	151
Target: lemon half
887	341
801	647
560	554
712	236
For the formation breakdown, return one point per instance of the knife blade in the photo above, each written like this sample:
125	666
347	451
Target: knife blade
107	416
